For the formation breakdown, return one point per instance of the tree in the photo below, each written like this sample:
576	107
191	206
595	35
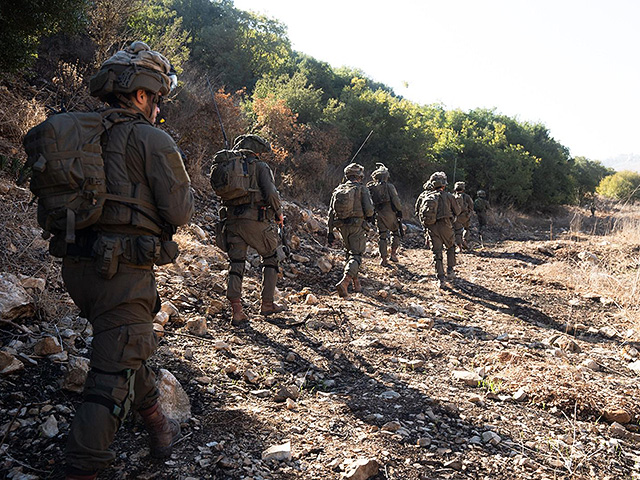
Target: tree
302	99
586	176
24	22
624	186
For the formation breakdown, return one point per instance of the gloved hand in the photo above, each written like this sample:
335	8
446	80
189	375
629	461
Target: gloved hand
399	214
371	220
330	238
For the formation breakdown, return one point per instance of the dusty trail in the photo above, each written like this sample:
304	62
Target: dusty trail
377	376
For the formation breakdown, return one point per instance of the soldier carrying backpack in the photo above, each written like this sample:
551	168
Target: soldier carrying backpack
351	210
461	225
122	189
388	213
249	216
437	210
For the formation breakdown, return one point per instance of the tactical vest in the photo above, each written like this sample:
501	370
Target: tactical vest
143	217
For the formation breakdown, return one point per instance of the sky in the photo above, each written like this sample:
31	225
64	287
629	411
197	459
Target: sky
572	65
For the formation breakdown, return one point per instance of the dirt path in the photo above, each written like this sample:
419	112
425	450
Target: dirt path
375	376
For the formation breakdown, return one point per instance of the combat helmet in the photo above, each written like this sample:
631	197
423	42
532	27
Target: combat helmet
136	67
354	170
481	193
459	186
438	179
381	173
255	143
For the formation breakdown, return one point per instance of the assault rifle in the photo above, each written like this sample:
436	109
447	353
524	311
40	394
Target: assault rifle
215	104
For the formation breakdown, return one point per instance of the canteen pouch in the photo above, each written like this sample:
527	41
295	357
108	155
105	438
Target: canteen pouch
168	252
107	250
148	250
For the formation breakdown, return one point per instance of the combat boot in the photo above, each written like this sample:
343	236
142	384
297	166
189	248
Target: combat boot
451	274
356	284
343	285
163	431
237	314
384	262
270	307
394	255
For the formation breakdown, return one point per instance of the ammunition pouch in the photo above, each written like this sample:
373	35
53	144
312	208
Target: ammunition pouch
221	235
110	250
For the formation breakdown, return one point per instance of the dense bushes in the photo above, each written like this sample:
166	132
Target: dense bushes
315	116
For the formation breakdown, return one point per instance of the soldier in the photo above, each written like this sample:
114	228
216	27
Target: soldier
481	205
441	230
252	220
109	270
351	210
388	213
461	225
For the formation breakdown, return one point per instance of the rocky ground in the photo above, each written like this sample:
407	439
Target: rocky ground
519	370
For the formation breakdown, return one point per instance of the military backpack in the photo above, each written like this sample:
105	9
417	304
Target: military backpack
64	157
379	192
233	175
346	200
427	207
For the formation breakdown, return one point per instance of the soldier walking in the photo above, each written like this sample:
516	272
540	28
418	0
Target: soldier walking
252	219
350	211
437	210
388	213
461	224
481	206
108	271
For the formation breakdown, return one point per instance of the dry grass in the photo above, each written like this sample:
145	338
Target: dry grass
18	114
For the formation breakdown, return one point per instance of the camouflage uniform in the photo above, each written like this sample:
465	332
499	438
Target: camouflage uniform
441	232
251	221
354	229
461	224
388	213
481	205
109	275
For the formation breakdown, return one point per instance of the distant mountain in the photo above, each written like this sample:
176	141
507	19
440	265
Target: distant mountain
629	161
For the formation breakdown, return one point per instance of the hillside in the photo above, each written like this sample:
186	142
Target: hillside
527	367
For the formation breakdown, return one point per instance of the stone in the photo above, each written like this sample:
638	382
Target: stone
280	453
15	302
591	364
173	398
417	310
393	426
49	428
9	364
635	366
618	431
390	395
215	306
424	442
47	346
608	332
520	395
455	464
491	438
170	309
567	345
291	357
617	415
34	283
299	258
77	372
262	393
251	376
471	379
203	380
222	346
383	293
59	357
200	233
158	329
290	404
588	257
311	300
324	264
161	318
197	326
287	391
362	469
